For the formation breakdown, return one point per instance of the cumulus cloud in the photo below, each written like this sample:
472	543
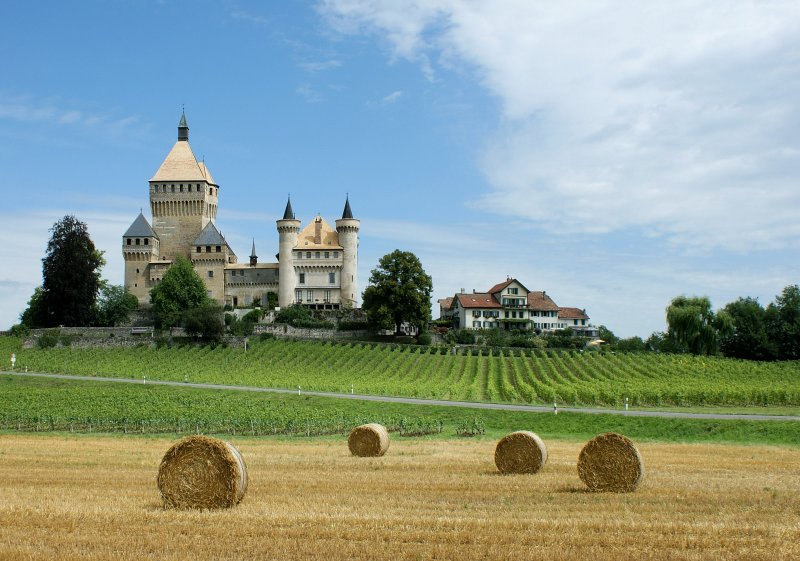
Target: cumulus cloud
678	120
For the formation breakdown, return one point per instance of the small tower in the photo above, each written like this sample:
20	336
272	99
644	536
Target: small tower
253	256
347	228
288	228
140	246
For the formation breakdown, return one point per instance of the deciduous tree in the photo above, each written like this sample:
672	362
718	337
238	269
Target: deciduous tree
693	323
180	290
399	292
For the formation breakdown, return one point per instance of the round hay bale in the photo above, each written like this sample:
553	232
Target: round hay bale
202	472
370	440
610	462
520	452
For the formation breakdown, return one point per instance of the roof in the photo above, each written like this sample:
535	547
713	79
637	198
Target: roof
347	213
181	165
477	300
288	214
446	303
140	229
539	300
499	287
210	236
572	313
329	238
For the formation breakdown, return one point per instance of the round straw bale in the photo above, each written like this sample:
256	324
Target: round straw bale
368	440
520	452
202	472
610	462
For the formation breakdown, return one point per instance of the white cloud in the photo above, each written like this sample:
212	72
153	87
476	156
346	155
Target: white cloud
676	119
392	97
319	66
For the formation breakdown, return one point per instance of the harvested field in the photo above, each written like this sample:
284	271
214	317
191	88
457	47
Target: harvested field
94	498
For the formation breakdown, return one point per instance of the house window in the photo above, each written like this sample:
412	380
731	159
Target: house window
298	296
331	278
513	290
506	314
302	278
476	324
309	295
476	314
210	274
327	296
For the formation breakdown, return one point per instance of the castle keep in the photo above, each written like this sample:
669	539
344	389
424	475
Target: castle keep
317	264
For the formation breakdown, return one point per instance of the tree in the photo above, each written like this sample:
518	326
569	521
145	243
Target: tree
783	323
33	313
607	335
399	292
631	344
692	322
180	290
204	321
748	337
114	305
70	278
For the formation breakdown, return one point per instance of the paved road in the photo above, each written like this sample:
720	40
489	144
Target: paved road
414	401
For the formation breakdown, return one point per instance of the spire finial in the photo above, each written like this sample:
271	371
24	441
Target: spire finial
183	128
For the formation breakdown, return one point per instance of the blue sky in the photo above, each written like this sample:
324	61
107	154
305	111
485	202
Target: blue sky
613	154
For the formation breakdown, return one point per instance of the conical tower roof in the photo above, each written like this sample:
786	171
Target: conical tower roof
140	229
347	212
288	214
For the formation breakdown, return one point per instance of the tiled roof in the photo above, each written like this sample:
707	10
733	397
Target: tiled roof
499	287
210	236
445	303
181	165
539	300
329	238
478	300
140	229
572	313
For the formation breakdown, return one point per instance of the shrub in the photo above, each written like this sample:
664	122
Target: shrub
48	339
424	339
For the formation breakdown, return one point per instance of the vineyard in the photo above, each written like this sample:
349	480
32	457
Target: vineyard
498	376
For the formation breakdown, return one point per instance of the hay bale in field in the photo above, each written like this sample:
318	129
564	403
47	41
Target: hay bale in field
202	472
368	440
520	452
610	462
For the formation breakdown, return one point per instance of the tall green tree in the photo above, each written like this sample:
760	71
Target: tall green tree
70	278
783	323
114	305
748	337
692	322
180	290
399	291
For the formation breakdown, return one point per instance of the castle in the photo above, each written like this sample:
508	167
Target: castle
317	265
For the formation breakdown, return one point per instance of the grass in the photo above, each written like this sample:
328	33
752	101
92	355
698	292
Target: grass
34	397
89	498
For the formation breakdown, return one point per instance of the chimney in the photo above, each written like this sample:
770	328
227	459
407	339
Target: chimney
473	291
318	230
462	291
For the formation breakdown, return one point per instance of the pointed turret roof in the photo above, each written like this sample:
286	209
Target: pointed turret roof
347	212
183	128
181	163
288	214
210	236
253	251
140	229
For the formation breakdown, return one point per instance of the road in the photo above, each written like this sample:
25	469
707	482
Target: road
415	401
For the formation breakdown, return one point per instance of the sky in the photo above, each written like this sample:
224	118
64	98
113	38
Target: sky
613	154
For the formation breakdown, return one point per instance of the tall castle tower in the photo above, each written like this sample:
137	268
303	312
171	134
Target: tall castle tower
183	198
347	227
288	228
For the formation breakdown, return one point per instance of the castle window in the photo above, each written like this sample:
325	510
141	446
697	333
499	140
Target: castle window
302	278
146	241
336	255
137	271
309	296
129	241
308	255
199	249
208	249
219	248
316	254
332	278
327	254
299	254
138	241
173	188
298	296
198	187
210	274
327	296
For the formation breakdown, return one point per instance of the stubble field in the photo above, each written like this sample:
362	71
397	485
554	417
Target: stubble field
64	497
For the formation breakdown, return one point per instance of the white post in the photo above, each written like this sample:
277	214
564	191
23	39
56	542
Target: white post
13	360
245	344
555	408
298	390
351	389
144	379
626	404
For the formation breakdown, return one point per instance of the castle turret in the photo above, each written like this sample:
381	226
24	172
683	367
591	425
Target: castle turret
288	228
140	246
253	256
347	227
